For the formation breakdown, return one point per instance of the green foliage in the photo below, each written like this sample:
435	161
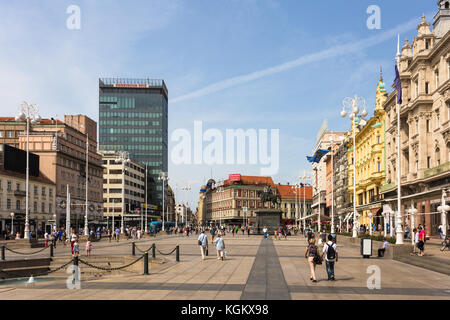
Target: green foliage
366	236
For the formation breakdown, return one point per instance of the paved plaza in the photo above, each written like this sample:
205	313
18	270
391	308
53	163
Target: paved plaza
254	269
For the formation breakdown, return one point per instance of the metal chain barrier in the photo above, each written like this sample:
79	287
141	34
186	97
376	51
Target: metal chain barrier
167	254
25	253
144	250
110	269
61	267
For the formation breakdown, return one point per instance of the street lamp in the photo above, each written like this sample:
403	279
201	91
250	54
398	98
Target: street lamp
30	114
354	105
124	158
443	209
413	211
304	180
187	188
163	177
12	223
370	214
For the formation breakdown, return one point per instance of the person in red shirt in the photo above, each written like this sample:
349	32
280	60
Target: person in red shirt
422	238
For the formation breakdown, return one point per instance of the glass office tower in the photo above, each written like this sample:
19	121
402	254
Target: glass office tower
133	117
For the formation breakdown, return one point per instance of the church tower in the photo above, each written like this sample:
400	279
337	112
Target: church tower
381	93
441	22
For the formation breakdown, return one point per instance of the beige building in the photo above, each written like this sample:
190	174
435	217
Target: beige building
123	190
61	147
42	200
425	123
223	203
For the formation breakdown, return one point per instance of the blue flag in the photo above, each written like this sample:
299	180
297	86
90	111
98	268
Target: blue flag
317	156
398	85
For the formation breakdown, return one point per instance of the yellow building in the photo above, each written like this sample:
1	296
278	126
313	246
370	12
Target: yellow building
370	161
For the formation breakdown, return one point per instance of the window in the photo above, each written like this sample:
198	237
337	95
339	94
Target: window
8	203
428	162
436	76
8	187
427	85
35	190
42	207
43	191
378	139
379	166
10	134
1	134
35	206
18	186
18	204
427	44
50	192
428	125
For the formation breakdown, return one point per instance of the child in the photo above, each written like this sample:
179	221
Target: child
88	248
76	249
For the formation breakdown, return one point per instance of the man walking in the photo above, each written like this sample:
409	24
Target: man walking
331	256
203	243
265	232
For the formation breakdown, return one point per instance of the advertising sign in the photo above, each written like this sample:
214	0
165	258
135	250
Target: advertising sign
234	177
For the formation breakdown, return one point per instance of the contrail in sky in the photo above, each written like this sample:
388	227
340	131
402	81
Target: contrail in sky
332	52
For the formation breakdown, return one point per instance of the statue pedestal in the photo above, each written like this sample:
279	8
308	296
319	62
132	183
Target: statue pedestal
27	243
270	218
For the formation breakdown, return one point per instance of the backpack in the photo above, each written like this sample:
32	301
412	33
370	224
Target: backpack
331	253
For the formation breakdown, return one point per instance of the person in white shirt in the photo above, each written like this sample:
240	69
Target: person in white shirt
203	243
265	232
331	256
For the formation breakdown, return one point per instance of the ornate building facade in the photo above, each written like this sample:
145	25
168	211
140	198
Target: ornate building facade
425	123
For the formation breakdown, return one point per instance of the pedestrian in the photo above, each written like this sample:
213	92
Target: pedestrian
73	239
248	231
46	239
109	234
441	232
203	243
265	232
117	234
416	241
220	247
421	244
331	256
212	231
382	250
88	248
76	249
64	237
312	254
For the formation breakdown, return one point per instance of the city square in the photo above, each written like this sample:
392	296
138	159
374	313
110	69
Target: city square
252	151
254	269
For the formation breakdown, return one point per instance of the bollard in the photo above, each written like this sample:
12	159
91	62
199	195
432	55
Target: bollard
75	261
3	253
133	248
146	263
178	253
51	250
153	251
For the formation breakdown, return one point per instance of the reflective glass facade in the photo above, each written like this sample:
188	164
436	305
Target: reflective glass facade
133	117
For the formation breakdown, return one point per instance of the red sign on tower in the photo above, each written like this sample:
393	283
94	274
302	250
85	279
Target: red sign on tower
234	177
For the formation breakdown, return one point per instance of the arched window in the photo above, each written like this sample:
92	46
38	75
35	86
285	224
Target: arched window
447	5
438	156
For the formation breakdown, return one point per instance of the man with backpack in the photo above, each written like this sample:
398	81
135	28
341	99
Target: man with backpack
331	256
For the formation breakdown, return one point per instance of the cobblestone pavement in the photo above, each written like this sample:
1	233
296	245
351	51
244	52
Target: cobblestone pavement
253	269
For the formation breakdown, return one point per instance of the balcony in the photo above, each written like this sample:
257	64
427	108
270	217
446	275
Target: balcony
437	170
375	198
20	193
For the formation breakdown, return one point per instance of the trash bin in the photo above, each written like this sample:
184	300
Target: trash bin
366	247
98	236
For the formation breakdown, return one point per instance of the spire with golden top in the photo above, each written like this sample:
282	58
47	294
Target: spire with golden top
381	92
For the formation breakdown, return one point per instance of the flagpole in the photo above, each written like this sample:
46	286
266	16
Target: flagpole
399	230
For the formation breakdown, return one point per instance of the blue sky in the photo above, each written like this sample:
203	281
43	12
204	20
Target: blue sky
195	44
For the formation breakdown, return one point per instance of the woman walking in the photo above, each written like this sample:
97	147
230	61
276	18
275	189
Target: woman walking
312	255
220	246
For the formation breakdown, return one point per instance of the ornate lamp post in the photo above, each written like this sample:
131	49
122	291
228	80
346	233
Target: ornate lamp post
12	223
412	211
163	177
124	158
443	209
30	114
370	214
354	105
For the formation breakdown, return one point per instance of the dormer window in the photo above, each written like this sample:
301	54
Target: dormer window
427	44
